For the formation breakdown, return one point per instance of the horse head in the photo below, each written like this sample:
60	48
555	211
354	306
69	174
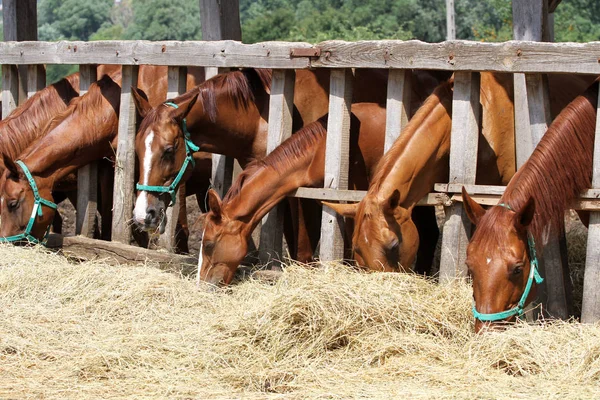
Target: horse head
163	153
25	216
385	237
500	261
224	243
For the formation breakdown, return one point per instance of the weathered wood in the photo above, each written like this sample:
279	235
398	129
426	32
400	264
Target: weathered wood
512	56
463	165
220	20
450	22
36	79
552	5
125	160
10	89
398	105
529	19
431	199
83	248
281	109
590	311
87	176
336	160
177	79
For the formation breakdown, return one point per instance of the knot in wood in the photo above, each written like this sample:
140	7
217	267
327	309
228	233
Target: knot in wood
519	52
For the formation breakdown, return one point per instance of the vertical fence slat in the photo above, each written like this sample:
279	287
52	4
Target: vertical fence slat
125	162
87	176
336	160
590	311
398	105
10	88
36	78
281	107
464	137
222	166
177	78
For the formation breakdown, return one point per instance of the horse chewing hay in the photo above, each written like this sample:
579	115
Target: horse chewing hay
94	331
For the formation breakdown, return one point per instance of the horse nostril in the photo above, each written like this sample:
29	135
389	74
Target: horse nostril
150	215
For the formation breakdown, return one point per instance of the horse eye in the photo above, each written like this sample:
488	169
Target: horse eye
208	246
168	152
13	205
518	269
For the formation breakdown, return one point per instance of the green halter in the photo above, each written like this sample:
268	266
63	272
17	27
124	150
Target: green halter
533	274
37	210
190	148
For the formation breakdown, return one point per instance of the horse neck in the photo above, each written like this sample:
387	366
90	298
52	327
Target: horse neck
81	137
419	157
26	123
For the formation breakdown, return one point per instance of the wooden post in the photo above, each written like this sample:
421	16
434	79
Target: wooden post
36	78
281	109
20	24
532	118
177	78
464	137
336	160
590	311
450	23
87	176
398	105
125	160
10	88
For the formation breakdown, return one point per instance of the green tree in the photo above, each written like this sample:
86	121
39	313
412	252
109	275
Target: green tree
165	20
72	19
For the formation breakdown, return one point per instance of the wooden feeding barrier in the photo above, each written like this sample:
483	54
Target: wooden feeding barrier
463	57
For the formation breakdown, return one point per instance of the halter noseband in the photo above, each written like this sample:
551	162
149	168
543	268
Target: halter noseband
533	274
37	211
190	148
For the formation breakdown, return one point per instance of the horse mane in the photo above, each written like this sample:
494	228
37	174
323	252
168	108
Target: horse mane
25	123
154	116
240	87
441	94
559	169
284	155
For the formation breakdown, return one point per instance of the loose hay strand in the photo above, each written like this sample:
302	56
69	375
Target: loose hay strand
92	330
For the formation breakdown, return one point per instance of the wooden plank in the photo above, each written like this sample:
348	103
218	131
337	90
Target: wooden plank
528	19
225	53
125	159
589	194
463	165
512	56
590	311
87	176
336	160
450	22
281	110
36	79
220	20
10	89
177	79
431	199
398	105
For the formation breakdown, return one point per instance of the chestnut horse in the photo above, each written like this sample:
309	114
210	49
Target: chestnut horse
85	131
501	254
231	118
384	236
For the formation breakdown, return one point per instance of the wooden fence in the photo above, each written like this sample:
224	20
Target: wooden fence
526	59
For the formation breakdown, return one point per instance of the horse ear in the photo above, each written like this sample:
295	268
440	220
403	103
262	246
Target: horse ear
525	214
394	200
184	108
11	166
474	211
214	203
142	105
345	210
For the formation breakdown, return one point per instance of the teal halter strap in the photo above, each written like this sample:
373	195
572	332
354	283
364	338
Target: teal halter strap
533	275
190	148
37	211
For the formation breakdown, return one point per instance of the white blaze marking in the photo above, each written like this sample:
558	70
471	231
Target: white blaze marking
200	258
488	261
141	203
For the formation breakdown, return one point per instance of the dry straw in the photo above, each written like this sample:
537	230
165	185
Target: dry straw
75	331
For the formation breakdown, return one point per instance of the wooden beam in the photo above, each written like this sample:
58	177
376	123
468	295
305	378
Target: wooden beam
466	114
36	79
552	5
398	105
590	311
220	20
87	176
450	22
336	160
10	89
177	79
125	160
281	110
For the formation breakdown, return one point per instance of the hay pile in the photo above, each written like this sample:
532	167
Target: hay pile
94	331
